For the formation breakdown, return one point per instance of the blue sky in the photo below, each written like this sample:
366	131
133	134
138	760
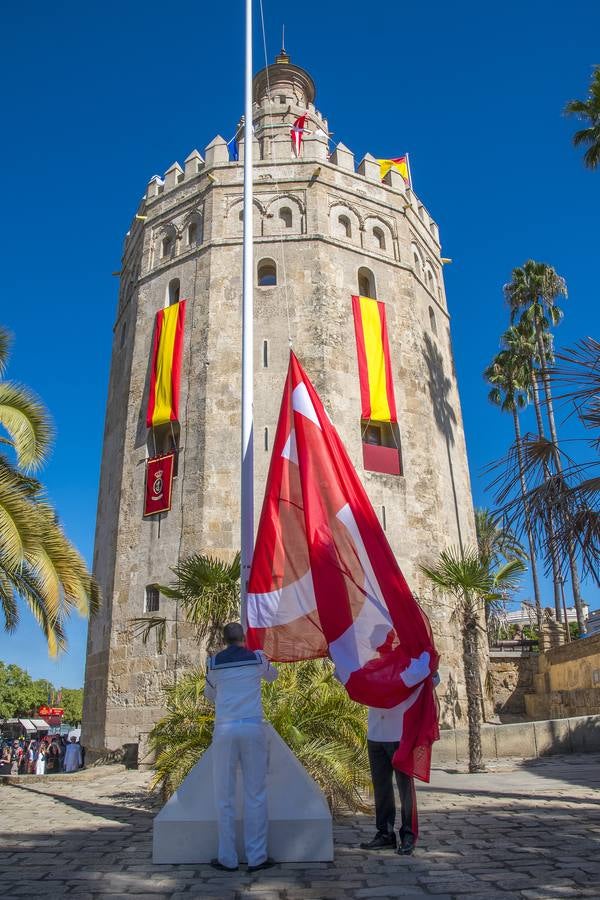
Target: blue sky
100	97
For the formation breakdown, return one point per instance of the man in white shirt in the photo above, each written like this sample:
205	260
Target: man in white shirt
233	683
383	731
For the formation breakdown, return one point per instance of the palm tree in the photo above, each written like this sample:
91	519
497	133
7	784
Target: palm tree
208	590
37	562
496	543
471	582
533	292
513	375
589	111
522	344
309	708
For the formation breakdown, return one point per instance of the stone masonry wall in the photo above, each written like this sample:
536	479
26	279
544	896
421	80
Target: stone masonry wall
512	678
568	681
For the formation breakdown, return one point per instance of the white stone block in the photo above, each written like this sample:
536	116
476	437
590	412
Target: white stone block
343	157
300	825
369	167
216	152
172	176
394	179
193	164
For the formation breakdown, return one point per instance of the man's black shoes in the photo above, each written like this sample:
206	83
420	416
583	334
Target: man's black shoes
267	864
406	848
381	841
221	868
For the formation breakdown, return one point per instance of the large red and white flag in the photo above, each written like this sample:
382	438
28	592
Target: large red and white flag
297	133
324	580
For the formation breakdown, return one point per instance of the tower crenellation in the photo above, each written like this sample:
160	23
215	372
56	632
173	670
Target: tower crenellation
324	229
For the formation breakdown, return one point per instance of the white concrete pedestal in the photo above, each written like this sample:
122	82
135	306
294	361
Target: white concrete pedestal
300	826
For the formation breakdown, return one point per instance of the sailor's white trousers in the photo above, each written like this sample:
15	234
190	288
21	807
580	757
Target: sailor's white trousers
243	742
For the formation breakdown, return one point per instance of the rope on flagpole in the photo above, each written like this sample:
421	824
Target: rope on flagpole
277	187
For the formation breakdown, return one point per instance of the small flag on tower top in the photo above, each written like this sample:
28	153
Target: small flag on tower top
297	132
399	163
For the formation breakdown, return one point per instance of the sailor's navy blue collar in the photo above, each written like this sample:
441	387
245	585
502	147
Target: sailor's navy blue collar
232	657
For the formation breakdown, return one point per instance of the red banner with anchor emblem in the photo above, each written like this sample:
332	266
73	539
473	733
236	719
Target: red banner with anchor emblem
159	480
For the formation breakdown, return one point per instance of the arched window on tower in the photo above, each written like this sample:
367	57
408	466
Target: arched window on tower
167	246
345	226
193	234
285	217
417	264
366	283
432	322
266	440
267	273
241	215
379	237
430	281
173	292
265	354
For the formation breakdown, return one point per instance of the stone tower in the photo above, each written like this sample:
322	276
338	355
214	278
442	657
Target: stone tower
324	230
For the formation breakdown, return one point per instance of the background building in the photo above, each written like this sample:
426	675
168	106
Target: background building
323	231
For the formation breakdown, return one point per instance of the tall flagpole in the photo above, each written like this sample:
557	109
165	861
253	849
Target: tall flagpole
247	469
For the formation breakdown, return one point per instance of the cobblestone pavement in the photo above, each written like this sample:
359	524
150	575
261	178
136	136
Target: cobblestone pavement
529	829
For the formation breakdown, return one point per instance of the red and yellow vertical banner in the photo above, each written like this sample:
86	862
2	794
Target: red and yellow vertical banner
165	370
374	364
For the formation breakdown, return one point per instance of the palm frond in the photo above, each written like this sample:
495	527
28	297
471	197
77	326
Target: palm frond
26	420
208	590
589	111
144	626
577	374
18	534
5	342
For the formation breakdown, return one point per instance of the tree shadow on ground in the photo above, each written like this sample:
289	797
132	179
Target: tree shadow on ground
581	769
134	803
493	793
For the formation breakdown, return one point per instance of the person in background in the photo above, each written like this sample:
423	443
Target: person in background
15	758
72	761
53	758
40	763
24	747
31	757
233	682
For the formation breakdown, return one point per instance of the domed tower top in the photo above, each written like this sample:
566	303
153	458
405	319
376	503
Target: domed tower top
283	79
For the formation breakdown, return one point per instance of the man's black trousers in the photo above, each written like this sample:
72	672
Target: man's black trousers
382	772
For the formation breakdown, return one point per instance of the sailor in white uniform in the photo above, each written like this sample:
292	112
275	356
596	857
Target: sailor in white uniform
233	681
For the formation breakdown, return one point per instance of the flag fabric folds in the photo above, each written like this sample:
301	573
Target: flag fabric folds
297	133
400	164
165	370
374	364
324	580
